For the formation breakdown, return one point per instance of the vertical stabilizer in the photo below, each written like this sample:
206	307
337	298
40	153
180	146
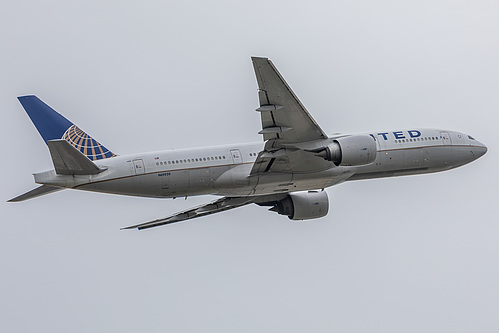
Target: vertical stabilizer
53	126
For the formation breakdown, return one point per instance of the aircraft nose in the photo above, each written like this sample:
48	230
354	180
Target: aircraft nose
479	150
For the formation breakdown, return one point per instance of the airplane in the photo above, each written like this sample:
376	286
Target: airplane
287	172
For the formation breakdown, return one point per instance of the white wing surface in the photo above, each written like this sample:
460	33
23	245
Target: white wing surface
284	118
286	125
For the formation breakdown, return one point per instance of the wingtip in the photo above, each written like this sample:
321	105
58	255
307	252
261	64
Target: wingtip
26	96
259	58
129	228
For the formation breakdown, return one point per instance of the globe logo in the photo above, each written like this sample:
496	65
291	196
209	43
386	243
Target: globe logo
84	143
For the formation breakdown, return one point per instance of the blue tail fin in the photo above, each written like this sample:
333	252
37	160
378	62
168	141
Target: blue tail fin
52	126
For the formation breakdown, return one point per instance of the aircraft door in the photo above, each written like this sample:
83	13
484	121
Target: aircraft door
138	166
445	138
236	156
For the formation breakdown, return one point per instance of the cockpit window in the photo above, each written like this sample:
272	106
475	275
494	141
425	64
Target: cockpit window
470	137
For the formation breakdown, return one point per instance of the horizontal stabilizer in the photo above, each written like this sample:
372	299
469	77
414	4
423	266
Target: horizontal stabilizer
70	161
39	191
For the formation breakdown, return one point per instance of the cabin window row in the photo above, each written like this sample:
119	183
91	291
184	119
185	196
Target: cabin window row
192	160
430	138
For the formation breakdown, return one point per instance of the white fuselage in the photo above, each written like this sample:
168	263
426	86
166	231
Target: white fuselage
225	170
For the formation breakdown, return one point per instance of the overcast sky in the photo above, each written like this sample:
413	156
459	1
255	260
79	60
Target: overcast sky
409	254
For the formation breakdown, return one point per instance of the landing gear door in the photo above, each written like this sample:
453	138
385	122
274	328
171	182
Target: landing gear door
138	166
236	156
445	138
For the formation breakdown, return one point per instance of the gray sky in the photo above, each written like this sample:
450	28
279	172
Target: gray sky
406	254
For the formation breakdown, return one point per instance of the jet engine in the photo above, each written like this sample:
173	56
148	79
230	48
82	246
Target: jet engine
350	151
303	205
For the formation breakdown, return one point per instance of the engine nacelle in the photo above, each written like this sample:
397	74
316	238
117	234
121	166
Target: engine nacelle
351	151
303	205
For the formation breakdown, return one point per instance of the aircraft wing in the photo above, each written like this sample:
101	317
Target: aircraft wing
284	118
212	207
286	125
